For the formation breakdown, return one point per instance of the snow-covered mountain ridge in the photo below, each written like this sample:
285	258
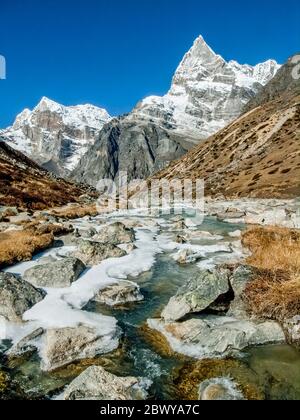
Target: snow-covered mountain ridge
54	135
206	92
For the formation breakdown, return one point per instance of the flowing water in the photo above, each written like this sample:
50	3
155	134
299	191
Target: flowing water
273	370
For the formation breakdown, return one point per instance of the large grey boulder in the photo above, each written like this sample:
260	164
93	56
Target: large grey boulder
93	253
57	274
115	234
17	296
216	336
220	389
66	345
95	383
197	294
119	294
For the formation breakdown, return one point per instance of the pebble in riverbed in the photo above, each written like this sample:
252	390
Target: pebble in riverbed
220	389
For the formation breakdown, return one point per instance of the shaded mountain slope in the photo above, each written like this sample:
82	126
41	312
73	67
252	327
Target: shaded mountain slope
26	185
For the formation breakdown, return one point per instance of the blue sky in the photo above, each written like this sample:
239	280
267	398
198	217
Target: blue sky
112	53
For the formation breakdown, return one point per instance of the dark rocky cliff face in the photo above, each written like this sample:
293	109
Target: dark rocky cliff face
138	148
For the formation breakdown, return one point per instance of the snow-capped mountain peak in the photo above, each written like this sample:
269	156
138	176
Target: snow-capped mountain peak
207	92
47	104
55	135
262	71
21	119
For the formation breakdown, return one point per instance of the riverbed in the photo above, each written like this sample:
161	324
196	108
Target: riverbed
272	371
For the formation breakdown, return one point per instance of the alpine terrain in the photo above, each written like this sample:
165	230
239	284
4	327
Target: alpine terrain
206	94
258	154
152	298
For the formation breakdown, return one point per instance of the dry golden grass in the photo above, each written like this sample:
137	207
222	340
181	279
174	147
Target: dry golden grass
275	293
17	246
41	226
76	211
257	155
274	248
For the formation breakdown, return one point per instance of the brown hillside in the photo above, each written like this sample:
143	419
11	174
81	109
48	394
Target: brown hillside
258	155
25	185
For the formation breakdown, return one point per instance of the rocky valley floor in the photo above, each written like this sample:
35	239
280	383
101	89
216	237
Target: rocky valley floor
159	305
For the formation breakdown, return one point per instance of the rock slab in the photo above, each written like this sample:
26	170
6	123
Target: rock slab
57	274
95	383
197	294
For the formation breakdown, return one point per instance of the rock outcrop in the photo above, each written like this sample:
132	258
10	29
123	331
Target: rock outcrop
66	345
57	274
95	383
17	296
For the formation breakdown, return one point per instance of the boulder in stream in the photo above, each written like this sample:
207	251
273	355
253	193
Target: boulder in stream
17	296
197	294
213	336
115	234
119	294
66	345
95	383
57	274
93	253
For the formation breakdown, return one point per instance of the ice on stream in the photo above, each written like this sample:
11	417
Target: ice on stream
62	308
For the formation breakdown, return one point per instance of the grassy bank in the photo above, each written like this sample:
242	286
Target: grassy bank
275	291
17	246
